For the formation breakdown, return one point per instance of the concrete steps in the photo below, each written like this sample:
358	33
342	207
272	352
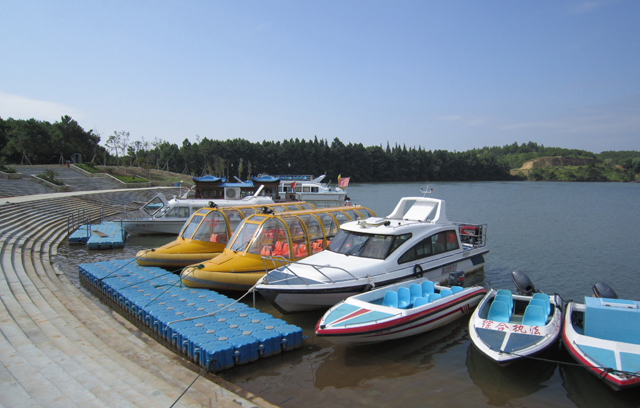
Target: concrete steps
60	348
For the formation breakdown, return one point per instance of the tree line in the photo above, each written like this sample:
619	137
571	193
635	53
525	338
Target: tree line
40	142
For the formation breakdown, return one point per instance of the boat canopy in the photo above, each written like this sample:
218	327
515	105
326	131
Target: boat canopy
217	224
293	235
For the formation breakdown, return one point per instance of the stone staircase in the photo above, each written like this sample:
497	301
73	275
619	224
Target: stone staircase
59	348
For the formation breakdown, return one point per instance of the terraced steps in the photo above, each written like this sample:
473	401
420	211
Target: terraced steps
60	348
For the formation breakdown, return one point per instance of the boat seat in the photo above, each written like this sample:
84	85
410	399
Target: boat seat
543	305
266	250
427	287
434	296
545	299
506	299
415	291
316	246
534	316
404	298
499	312
390	299
446	292
456	289
420	301
508	295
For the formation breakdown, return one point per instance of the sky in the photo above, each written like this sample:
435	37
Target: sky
449	75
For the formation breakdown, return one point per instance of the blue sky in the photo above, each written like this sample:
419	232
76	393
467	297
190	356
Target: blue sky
452	75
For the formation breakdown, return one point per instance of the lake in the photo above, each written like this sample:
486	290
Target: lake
564	236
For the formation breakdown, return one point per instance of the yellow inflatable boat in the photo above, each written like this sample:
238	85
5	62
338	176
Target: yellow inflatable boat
266	241
204	235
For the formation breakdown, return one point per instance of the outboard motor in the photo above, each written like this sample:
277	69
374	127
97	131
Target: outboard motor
455	278
523	283
602	290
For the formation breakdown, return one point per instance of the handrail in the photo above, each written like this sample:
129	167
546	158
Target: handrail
315	267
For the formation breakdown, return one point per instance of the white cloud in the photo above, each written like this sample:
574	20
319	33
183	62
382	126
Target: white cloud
20	107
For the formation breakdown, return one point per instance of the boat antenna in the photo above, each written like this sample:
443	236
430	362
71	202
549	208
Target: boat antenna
427	191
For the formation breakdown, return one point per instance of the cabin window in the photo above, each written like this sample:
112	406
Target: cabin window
191	227
354	215
399	240
212	229
433	245
340	217
271	240
248	211
306	189
278	208
451	241
234	220
306	206
178	212
292	207
315	190
330	225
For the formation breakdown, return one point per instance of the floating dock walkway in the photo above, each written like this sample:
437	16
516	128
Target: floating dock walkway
106	235
211	329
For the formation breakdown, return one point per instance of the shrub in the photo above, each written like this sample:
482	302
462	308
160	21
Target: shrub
50	176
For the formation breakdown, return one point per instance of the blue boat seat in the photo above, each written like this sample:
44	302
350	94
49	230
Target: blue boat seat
542	304
456	289
508	295
446	292
404	298
499	312
420	302
434	296
507	300
390	299
415	291
427	287
534	316
545	298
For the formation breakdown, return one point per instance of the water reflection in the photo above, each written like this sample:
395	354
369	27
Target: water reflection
502	385
388	360
587	391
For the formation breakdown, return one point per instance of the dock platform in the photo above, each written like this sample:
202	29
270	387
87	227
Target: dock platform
210	329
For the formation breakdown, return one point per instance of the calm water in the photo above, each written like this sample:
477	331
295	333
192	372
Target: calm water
564	236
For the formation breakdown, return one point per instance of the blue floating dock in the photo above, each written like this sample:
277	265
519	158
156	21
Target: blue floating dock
106	235
81	235
211	329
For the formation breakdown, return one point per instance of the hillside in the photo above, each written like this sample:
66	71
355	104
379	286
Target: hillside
571	169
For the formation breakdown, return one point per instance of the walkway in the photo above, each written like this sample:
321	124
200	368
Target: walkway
58	347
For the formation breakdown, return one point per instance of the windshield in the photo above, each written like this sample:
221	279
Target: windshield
243	236
191	227
212	229
366	245
153	206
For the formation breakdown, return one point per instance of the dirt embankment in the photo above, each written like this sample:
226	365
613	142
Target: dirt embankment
551	162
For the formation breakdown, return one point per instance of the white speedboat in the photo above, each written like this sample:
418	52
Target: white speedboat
415	240
506	327
397	311
168	216
311	190
603	335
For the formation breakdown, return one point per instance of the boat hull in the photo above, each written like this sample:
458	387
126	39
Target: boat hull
611	361
172	261
356	321
302	298
506	342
